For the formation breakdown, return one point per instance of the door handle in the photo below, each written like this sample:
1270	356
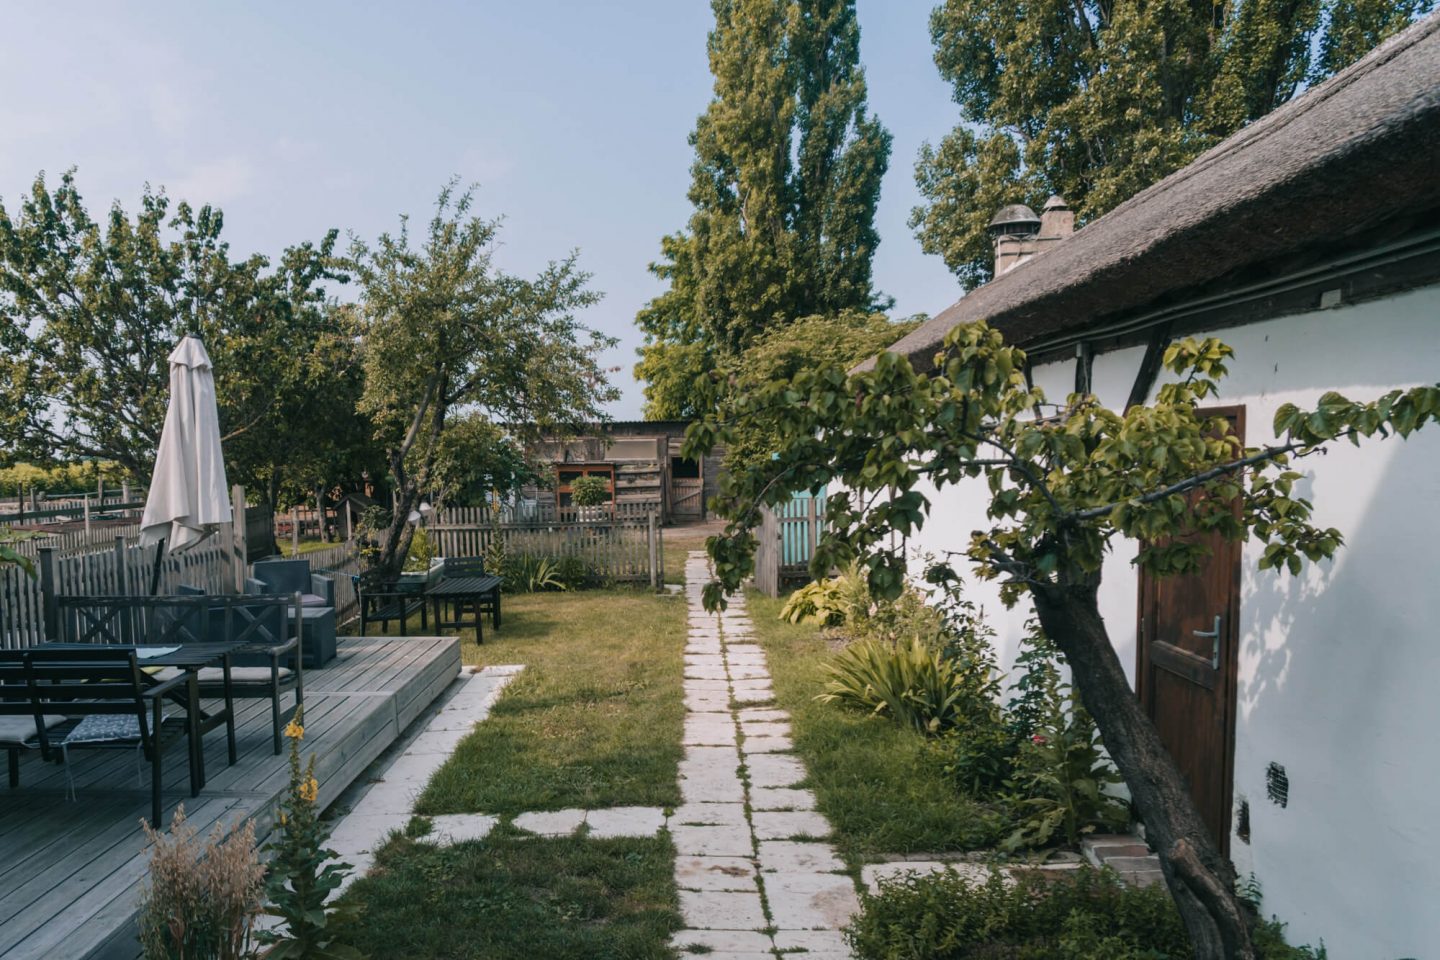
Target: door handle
1215	648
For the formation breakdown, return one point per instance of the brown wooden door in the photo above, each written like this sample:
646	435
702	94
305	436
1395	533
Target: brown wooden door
1186	668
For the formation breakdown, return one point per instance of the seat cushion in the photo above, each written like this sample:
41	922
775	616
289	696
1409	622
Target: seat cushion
105	728
241	674
19	730
312	600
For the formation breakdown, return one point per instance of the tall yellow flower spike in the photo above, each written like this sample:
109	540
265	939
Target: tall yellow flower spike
294	731
309	790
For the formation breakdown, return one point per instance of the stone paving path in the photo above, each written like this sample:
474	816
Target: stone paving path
756	876
388	802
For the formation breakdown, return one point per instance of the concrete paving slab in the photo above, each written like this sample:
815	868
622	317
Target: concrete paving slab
715	873
804	901
553	823
783	825
719	841
722	909
786	856
624	822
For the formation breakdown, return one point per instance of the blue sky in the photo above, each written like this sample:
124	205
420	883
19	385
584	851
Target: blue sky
571	116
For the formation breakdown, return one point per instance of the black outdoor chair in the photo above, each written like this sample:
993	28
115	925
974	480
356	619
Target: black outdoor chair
383	600
22	726
266	668
120	707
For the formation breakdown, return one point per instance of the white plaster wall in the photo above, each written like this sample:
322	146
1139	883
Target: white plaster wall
1338	667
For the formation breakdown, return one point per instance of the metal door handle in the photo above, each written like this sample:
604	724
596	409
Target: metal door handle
1214	635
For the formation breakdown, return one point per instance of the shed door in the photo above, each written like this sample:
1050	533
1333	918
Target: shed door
1186	668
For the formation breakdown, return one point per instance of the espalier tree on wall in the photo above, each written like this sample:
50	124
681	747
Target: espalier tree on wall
788	163
1063	488
1096	100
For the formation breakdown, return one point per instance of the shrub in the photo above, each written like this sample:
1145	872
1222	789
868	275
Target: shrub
524	573
421	553
200	901
574	572
1060	771
590	491
909	682
1083	914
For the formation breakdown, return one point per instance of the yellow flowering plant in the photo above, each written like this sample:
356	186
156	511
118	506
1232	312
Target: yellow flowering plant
303	873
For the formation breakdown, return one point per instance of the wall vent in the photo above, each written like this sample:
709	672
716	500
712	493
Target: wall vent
1277	784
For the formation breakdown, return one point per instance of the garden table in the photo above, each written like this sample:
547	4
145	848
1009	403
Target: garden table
475	593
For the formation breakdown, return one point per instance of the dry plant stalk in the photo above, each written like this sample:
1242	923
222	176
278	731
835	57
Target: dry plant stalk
201	900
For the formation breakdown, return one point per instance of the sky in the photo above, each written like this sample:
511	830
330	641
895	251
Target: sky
570	115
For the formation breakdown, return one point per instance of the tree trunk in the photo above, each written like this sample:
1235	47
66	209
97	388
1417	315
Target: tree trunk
1200	879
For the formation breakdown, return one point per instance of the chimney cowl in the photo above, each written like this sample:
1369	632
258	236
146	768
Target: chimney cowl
1015	219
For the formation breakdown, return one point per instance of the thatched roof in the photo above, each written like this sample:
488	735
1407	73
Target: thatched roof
1354	152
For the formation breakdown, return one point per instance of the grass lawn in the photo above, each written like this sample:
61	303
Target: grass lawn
595	720
872	777
510	897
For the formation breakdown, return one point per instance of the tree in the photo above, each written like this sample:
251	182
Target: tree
445	331
1063	488
788	163
782	352
89	314
476	457
327	441
1096	100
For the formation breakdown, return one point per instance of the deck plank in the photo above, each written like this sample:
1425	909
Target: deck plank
70	871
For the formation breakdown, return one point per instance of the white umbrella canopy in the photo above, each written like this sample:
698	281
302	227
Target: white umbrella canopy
189	498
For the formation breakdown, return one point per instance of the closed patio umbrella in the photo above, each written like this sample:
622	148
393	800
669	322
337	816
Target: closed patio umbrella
189	498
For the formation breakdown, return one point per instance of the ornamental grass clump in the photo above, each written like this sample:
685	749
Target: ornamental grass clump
303	873
201	900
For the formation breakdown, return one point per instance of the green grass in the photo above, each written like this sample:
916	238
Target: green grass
595	719
519	898
679	541
306	546
874	780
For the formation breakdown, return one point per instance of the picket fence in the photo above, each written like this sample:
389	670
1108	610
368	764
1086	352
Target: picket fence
124	569
622	551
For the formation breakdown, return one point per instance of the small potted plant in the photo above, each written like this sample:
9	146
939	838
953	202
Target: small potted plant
422	567
590	495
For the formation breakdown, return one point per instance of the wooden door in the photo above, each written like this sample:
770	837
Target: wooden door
1187	657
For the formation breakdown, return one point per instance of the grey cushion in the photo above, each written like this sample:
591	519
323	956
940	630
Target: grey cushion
241	674
19	730
105	728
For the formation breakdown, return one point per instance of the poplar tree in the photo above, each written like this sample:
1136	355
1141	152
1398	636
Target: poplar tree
788	163
1097	99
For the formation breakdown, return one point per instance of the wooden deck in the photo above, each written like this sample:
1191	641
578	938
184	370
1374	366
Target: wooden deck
70	872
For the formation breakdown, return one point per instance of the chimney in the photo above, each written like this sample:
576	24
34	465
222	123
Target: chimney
1018	234
1013	231
1057	220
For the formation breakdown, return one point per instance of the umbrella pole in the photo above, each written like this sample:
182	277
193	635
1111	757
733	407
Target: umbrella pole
155	571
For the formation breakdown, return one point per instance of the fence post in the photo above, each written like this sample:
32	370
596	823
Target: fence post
349	528
86	502
239	536
49	605
294	531
654	553
122	582
767	554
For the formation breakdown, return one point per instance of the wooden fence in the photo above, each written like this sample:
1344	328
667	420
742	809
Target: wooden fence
342	562
124	569
547	512
785	542
624	551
